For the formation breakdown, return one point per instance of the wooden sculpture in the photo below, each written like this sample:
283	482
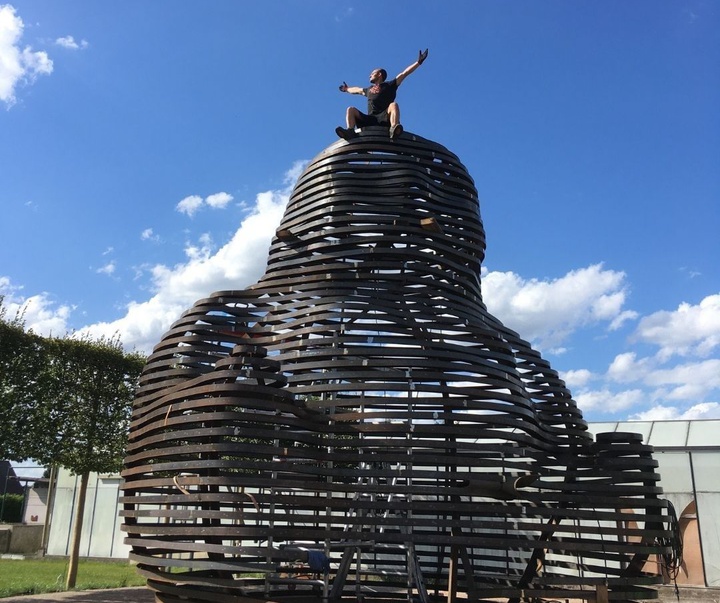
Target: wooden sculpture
357	426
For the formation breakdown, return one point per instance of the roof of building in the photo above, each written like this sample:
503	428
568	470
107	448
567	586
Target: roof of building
703	433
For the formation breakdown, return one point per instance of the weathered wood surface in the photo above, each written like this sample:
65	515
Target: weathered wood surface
360	402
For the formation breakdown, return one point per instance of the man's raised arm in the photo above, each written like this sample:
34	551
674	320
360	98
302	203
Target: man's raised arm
421	59
351	89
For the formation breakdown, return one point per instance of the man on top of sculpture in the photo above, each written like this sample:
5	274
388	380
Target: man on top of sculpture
382	109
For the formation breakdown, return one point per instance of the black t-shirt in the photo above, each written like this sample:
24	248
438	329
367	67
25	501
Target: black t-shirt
379	96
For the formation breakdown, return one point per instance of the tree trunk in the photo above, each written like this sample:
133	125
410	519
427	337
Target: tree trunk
52	486
77	532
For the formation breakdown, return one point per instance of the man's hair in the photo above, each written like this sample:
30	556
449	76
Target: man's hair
383	73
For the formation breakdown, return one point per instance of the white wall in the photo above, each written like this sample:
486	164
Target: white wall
35	506
101	535
706	469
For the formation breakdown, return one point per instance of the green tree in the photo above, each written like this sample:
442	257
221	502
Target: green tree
22	374
86	413
68	402
88	397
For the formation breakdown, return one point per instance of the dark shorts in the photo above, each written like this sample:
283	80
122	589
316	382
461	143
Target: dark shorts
379	119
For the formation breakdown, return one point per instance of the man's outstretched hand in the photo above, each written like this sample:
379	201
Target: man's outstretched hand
422	55
343	87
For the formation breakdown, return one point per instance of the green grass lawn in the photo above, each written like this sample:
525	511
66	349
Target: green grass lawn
35	576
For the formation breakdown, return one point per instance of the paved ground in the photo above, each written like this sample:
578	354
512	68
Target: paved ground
689	594
111	595
143	595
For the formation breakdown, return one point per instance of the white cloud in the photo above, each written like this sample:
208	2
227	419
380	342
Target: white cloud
6	287
622	318
18	65
44	317
680	390
548	311
238	263
219	200
578	378
656	413
39	313
557	351
235	265
108	269
190	205
626	368
663	389
149	235
689	382
605	400
689	330
294	173
70	43
201	251
704	410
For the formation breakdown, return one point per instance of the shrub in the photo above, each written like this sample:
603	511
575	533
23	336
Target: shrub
11	507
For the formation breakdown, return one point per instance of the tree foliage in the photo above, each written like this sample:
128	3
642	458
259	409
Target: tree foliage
68	400
91	387
11	508
21	375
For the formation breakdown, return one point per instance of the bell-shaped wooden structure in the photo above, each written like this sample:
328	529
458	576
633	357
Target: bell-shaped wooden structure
357	426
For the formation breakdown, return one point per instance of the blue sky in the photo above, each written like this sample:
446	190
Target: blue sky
147	150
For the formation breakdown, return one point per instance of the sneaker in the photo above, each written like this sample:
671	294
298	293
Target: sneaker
346	133
395	131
